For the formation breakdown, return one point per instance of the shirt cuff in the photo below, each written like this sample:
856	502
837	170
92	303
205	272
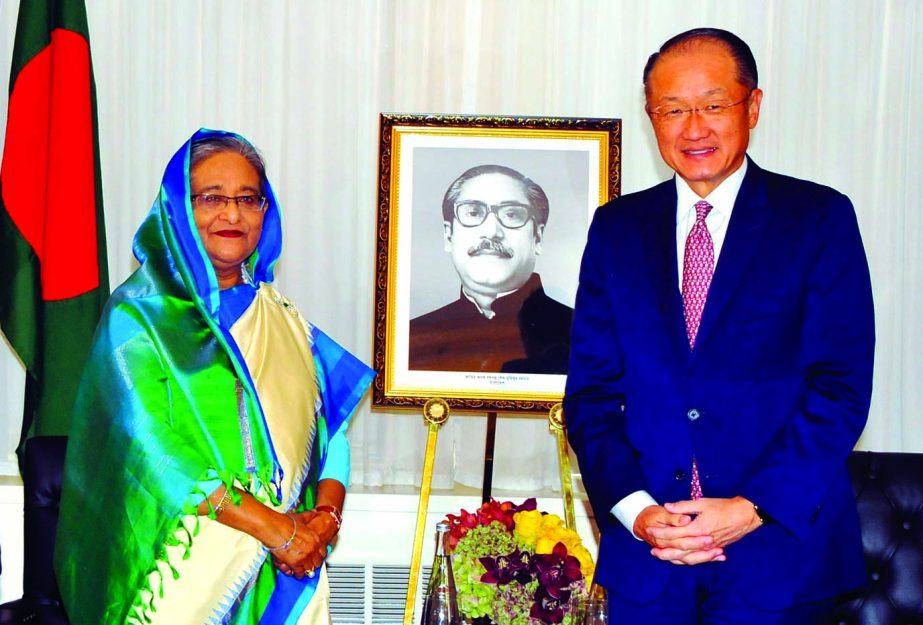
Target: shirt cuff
628	509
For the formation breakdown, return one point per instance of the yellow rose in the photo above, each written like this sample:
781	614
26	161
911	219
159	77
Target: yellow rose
570	538
545	544
550	522
586	561
528	526
553	536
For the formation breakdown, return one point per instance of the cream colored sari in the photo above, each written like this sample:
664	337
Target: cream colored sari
223	563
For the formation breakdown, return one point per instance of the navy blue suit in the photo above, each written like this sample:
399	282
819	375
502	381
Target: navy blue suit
770	402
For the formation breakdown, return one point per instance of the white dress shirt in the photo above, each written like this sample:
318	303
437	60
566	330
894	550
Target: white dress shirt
722	200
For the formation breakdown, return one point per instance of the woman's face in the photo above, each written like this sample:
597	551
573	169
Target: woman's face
229	233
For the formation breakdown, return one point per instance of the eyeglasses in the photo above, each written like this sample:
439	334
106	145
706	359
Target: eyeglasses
471	213
710	110
214	202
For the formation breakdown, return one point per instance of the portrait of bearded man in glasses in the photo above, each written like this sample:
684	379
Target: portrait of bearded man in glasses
494	221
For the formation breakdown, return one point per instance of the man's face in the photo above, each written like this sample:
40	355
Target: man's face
703	149
491	258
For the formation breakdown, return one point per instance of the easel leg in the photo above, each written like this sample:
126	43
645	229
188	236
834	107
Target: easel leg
556	425
435	413
489	442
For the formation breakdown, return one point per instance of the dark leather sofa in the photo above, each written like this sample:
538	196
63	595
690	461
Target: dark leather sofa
889	496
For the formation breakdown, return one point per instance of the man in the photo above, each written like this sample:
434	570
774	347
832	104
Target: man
721	367
494	220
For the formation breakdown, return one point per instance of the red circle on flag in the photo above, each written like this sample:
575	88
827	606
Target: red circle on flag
48	180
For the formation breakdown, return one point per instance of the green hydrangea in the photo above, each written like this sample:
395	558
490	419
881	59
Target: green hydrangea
474	598
514	602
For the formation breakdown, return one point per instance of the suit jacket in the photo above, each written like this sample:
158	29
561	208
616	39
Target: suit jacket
770	402
529	333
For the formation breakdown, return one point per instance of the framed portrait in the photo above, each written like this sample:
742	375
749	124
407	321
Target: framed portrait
481	227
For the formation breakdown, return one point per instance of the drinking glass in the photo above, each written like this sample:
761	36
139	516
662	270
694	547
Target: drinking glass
596	611
578	608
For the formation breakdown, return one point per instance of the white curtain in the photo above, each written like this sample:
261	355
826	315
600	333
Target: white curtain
305	81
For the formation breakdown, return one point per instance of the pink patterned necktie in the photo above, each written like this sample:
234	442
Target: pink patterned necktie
698	267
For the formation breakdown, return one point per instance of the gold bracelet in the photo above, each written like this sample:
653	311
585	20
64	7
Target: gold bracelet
223	502
332	511
291	539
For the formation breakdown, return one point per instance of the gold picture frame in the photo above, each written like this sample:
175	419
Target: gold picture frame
429	341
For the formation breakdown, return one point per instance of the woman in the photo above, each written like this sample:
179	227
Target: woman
206	468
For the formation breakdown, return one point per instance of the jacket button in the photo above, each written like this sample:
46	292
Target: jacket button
680	475
693	414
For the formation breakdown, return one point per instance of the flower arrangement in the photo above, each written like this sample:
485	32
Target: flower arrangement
514	565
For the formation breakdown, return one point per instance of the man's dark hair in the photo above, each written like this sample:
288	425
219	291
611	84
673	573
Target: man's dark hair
737	47
537	198
203	148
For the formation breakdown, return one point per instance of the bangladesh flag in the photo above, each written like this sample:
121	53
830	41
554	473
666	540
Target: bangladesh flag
53	275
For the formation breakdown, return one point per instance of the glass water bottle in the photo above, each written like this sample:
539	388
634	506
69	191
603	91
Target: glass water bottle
440	607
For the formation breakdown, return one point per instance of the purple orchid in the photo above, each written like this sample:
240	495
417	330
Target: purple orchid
557	571
548	608
506	569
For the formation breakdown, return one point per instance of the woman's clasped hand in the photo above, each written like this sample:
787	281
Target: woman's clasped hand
313	533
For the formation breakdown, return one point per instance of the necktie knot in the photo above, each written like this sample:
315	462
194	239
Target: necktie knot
702	208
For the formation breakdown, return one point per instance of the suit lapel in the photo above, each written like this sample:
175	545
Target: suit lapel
745	230
660	241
